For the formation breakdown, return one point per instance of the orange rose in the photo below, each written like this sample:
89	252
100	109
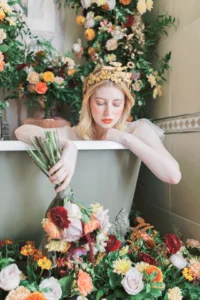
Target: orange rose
84	283
2	63
80	20
2	15
91	51
71	72
90	34
125	2
91	226
41	88
51	229
151	269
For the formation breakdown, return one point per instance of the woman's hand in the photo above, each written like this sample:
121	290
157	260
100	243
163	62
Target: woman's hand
63	170
114	135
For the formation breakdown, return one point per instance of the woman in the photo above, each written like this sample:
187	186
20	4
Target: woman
105	108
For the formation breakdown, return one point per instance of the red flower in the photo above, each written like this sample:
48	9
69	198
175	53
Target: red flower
172	243
59	217
147	258
129	21
113	244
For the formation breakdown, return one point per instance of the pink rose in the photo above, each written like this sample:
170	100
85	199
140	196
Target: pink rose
103	218
73	232
10	277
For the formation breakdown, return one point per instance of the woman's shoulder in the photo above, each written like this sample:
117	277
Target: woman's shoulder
69	133
144	127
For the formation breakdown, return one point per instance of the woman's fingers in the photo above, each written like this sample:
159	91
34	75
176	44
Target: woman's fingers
59	176
56	167
64	184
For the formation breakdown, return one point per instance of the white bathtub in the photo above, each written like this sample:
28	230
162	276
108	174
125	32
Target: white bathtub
106	172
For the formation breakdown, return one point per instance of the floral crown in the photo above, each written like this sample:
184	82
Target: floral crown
114	73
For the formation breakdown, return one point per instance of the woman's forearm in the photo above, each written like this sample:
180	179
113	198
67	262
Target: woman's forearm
164	167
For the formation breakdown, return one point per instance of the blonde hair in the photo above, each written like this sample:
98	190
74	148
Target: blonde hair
86	125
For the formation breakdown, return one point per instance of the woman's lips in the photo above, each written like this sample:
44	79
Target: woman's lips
107	121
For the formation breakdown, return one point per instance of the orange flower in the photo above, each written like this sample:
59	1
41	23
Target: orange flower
106	6
84	283
91	226
71	72
159	277
80	20
28	250
36	296
51	229
125	2
37	255
90	34
41	88
2	63
32	243
2	15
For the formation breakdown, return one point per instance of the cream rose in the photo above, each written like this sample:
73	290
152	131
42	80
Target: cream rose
86	3
132	282
73	232
55	291
178	261
73	211
2	36
111	4
58	80
10	277
174	294
103	218
33	78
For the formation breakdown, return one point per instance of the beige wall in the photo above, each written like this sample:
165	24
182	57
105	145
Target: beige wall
178	205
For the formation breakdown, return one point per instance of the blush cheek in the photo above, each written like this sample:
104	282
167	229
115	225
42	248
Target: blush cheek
96	111
118	113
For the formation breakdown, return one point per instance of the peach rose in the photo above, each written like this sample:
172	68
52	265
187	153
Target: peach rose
33	77
2	63
51	229
85	285
41	88
91	226
19	294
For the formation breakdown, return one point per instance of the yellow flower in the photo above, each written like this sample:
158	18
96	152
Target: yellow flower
188	274
174	294
141	6
121	266
101	2
124	250
141	266
48	76
60	246
157	91
100	257
10	21
71	72
44	263
152	80
6	8
28	250
2	15
149	4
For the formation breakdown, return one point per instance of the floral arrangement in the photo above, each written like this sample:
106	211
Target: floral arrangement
141	266
124	31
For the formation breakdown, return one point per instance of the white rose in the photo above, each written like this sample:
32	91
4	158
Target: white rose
117	33
90	23
76	47
73	211
81	298
132	282
86	3
73	232
111	4
10	277
58	80
55	291
178	261
103	218
175	294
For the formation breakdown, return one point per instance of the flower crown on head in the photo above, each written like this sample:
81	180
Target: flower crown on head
114	73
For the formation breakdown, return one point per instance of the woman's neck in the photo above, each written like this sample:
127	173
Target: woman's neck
100	132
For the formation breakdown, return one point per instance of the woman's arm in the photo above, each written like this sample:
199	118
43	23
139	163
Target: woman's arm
63	170
151	151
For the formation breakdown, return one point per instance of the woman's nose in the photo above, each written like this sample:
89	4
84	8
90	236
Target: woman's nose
107	110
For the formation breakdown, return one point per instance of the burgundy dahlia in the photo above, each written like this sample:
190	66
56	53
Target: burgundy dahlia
59	217
172	243
147	258
129	21
113	244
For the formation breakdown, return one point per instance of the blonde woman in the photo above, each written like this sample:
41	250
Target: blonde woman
105	109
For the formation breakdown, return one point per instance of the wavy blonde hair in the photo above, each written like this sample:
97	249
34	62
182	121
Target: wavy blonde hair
86	125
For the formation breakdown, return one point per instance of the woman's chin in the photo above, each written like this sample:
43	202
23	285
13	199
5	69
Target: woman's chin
107	126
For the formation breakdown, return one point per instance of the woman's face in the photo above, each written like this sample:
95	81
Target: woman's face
107	105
